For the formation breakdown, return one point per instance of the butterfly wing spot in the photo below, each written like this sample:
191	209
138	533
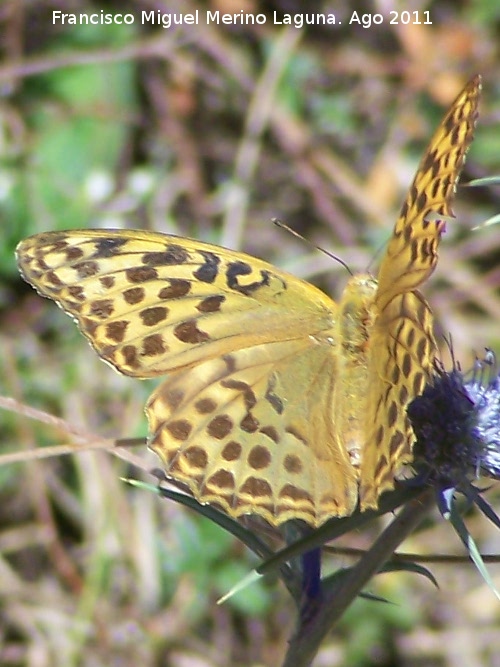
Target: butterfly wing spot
130	358
222	482
296	434
381	467
86	269
188	332
72	253
209	270
76	292
419	380
141	274
115	331
232	451
236	270
246	391
104	248
102	309
273	399
153	346
133	295
296	496
392	414
255	487
220	427
150	317
179	429
177	289
249	424
211	304
406	365
205	406
53	279
259	457
397	441
293	464
108	282
172	256
271	433
196	457
173	398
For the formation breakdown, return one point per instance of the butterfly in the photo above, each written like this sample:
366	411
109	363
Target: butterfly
275	400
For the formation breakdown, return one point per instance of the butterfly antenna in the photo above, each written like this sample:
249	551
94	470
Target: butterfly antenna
282	225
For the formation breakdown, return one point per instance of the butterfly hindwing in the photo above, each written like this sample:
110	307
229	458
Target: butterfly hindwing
402	338
252	431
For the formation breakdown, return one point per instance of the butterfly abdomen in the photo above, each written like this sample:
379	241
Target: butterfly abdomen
355	322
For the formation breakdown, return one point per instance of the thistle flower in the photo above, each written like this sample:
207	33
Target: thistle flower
457	425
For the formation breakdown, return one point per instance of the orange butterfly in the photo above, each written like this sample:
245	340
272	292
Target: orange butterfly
277	400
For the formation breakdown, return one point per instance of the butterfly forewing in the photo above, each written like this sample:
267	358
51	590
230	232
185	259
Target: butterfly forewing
411	254
150	303
402	337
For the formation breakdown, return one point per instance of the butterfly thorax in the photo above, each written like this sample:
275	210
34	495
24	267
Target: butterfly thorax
357	313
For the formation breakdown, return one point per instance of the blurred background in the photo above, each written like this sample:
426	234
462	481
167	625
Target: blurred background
210	131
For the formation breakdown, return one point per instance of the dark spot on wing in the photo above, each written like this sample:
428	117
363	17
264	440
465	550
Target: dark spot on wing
271	432
152	316
256	487
172	397
141	274
130	355
134	295
153	345
220	426
237	269
179	429
208	271
102	308
174	254
292	464
205	406
177	289
259	457
108	247
107	281
115	331
196	457
86	269
232	451
188	332
211	304
76	291
73	252
249	423
222	479
53	278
